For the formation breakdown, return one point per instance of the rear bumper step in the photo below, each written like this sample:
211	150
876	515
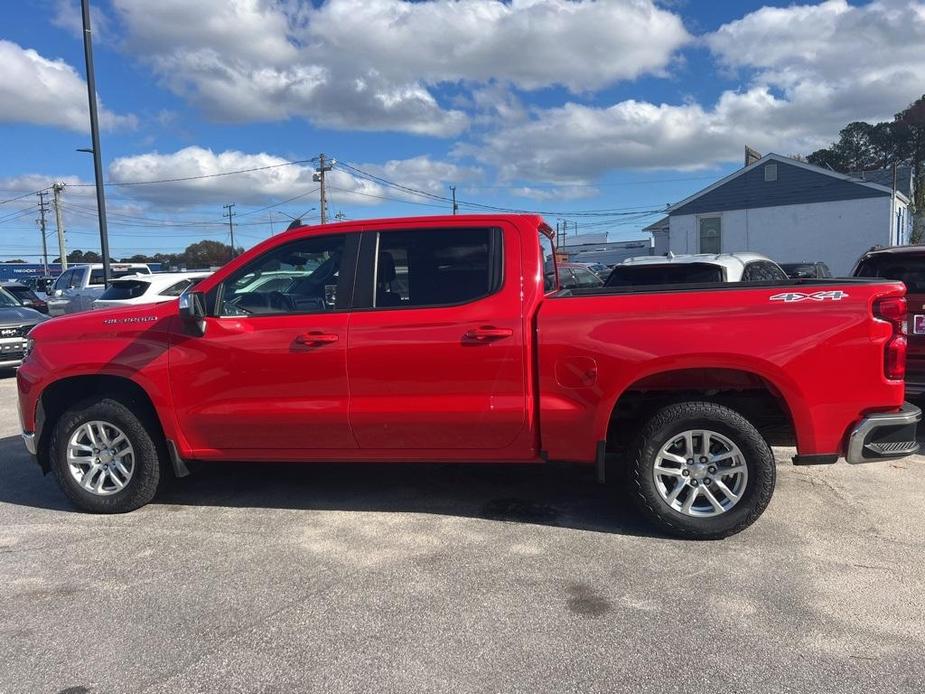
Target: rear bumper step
885	436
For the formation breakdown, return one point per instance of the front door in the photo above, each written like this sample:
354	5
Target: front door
269	374
436	358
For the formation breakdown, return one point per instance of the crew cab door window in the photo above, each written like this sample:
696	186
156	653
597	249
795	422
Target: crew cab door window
416	269
436	351
299	277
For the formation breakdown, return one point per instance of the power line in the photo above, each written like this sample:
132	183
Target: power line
198	177
24	195
279	204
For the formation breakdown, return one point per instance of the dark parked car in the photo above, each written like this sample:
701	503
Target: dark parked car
806	270
40	285
907	264
26	296
15	323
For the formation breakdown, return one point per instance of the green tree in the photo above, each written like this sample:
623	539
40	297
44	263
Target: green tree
207	253
912	120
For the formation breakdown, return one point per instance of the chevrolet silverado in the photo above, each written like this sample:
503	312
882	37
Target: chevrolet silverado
449	339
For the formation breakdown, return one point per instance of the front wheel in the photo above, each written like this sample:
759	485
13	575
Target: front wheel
104	457
702	471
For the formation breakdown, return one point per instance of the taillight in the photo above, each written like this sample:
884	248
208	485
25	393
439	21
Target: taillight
893	311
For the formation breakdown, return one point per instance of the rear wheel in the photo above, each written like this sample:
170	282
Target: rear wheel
105	458
702	471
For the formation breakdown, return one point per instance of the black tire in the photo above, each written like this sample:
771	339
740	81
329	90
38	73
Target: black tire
676	419
147	476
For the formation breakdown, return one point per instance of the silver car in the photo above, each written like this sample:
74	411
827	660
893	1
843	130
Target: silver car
15	323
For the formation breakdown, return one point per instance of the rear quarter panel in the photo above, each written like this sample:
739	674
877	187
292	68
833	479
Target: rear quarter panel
825	358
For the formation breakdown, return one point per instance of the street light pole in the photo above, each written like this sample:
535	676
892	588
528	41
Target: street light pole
95	137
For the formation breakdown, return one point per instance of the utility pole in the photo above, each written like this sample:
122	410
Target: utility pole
324	165
43	208
59	224
95	137
455	206
340	216
230	215
894	218
272	230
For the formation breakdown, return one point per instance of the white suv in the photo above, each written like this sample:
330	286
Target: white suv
147	289
700	268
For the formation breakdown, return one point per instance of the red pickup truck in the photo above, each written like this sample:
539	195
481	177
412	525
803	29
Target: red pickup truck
448	339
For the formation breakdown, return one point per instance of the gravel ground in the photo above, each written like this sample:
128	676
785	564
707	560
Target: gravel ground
401	578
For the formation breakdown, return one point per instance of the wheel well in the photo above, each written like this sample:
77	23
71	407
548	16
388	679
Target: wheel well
750	395
60	395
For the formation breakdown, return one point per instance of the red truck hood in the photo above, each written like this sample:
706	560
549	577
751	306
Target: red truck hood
93	323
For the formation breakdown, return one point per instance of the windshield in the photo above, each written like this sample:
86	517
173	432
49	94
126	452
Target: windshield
908	269
126	289
646	275
7	300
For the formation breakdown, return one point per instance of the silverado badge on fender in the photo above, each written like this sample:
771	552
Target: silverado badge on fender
790	297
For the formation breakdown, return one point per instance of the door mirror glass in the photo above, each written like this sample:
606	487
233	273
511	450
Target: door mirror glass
192	311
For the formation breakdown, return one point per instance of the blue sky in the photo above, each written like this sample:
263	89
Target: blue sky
559	106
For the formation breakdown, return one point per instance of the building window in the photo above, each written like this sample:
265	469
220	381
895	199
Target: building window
770	173
710	235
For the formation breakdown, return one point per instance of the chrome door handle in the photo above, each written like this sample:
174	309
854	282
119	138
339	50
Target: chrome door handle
317	338
488	333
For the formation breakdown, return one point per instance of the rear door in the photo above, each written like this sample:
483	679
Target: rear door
436	356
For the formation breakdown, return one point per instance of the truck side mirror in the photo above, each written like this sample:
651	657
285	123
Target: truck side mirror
192	311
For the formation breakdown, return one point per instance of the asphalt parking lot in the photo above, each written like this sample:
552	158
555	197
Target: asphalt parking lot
456	579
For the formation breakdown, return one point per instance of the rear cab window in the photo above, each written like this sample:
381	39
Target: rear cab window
125	289
907	268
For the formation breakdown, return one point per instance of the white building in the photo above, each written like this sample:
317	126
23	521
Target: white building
790	211
595	248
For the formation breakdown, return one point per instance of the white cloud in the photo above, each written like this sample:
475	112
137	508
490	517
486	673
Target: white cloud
269	185
530	43
40	91
66	15
840	61
373	64
810	70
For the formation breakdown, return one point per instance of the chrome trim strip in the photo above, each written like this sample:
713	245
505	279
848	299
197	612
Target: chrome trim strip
909	414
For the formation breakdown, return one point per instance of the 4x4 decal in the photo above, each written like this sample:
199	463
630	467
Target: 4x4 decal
790	297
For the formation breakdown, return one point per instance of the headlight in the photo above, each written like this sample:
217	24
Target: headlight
27	350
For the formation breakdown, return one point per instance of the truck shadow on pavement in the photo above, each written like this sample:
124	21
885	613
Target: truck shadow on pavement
559	496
